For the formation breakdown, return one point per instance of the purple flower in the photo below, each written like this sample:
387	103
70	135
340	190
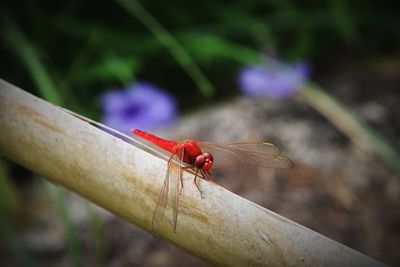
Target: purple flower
275	80
140	105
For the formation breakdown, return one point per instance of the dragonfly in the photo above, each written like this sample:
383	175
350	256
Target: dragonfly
201	157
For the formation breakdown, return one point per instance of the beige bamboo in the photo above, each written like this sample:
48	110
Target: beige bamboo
222	228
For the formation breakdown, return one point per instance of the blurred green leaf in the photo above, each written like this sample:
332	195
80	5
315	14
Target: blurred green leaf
343	20
111	68
207	47
101	38
30	58
97	234
116	67
9	235
9	200
73	243
168	40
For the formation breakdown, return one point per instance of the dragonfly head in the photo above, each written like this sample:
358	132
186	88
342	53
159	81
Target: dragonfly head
204	161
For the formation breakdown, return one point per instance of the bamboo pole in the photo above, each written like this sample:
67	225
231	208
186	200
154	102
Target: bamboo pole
222	228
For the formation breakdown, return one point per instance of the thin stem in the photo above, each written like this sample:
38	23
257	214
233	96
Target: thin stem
360	133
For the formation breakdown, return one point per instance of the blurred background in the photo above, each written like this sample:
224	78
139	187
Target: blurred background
320	79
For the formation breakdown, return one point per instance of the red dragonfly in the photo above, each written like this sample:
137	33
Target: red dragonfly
201	157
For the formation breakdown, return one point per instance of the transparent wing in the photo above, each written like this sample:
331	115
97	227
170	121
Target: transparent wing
162	200
257	148
260	154
176	173
173	179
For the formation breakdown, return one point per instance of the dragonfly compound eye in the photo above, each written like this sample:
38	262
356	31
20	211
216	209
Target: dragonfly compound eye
199	161
207	165
208	156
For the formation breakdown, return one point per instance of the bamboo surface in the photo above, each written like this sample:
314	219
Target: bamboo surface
221	228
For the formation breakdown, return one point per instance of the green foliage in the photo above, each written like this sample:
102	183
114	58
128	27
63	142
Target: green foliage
166	39
8	234
73	244
28	56
97	234
90	47
9	200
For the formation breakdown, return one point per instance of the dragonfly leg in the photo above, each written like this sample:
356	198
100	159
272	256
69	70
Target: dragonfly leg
208	176
170	158
197	185
181	180
183	168
180	190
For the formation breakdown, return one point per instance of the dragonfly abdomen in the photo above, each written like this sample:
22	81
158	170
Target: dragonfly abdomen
163	143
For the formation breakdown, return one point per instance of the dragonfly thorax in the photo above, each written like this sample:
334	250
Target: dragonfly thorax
204	161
